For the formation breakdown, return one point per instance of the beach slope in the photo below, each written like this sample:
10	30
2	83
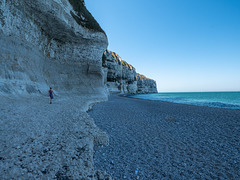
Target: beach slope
167	140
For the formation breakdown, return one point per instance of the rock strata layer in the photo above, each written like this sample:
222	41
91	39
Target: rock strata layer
50	43
122	77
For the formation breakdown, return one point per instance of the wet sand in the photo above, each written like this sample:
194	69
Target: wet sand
167	141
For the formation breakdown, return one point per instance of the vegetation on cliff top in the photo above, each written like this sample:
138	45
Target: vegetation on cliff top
115	55
142	77
118	58
83	16
124	63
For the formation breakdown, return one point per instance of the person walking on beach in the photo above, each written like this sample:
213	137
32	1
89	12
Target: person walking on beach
50	93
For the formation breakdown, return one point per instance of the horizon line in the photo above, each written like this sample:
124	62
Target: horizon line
193	91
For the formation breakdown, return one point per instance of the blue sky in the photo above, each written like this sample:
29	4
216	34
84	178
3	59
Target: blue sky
185	45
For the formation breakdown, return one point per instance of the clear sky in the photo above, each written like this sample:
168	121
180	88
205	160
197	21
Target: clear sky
185	45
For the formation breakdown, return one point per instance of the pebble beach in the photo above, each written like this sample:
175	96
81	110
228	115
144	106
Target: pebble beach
161	140
48	141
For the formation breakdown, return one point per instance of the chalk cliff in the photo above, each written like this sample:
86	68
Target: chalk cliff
122	77
145	85
50	43
47	43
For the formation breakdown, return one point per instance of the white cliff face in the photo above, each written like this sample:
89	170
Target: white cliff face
146	85
44	43
122	77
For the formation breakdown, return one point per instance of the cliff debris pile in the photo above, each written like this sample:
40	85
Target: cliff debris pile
122	77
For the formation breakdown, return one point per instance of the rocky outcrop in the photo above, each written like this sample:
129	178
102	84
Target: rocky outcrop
121	77
145	85
50	43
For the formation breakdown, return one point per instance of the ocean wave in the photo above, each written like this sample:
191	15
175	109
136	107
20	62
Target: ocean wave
221	105
227	103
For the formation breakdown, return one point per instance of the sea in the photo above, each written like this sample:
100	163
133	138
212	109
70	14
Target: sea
229	100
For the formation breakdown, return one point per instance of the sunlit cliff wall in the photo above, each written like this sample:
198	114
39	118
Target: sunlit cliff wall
50	43
122	77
